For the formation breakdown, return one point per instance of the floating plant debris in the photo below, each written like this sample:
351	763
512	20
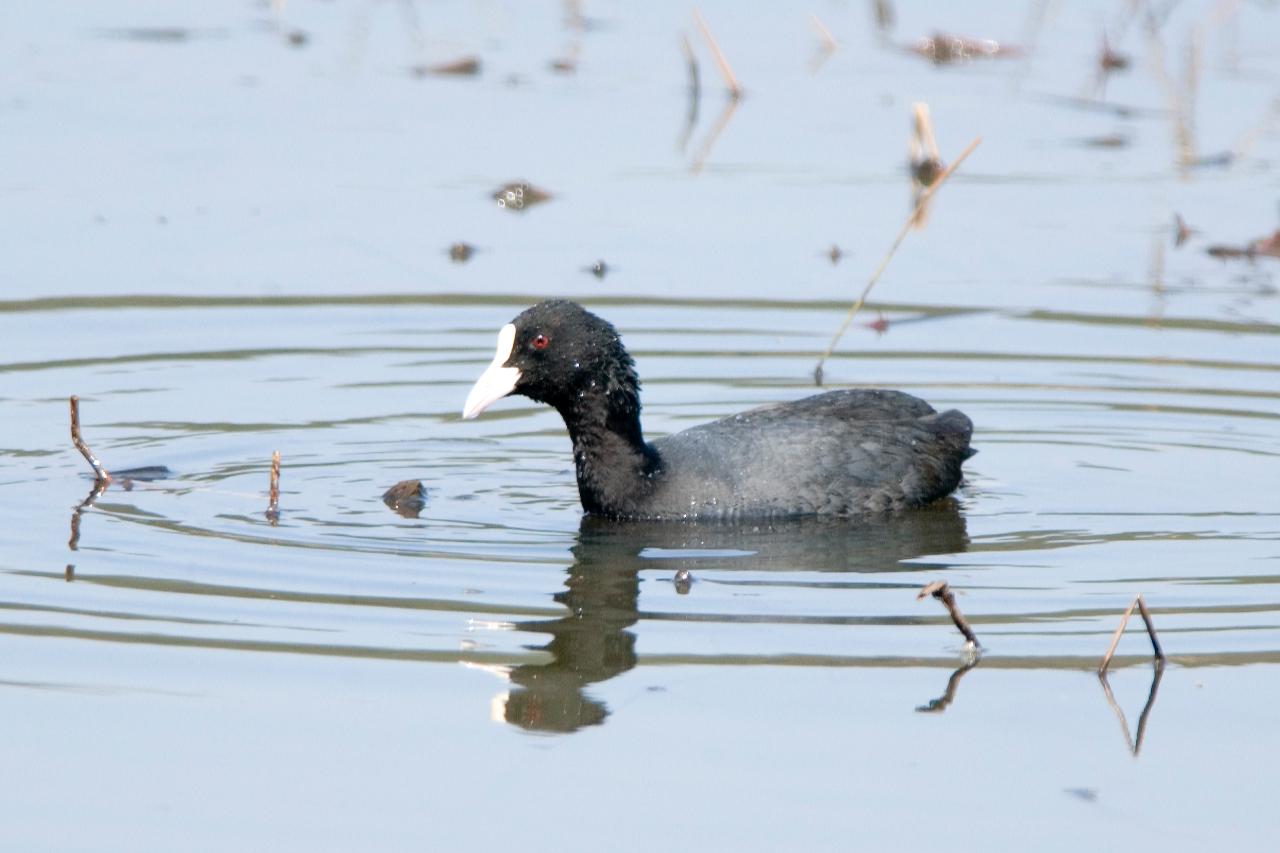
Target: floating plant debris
1109	140
519	195
406	498
1266	247
944	49
467	66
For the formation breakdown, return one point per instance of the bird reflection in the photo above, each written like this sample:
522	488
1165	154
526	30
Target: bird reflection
592	642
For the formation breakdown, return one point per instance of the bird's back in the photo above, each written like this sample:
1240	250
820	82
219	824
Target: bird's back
839	453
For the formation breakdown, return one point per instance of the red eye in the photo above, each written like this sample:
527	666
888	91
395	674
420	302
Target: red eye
539	342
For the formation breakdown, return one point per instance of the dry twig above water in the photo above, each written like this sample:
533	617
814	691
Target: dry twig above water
100	475
1124	620
925	196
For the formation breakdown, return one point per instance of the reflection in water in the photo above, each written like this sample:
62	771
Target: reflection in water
937	706
592	644
125	480
96	492
1135	744
721	122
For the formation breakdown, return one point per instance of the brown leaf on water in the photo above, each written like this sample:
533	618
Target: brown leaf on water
467	66
1108	140
1109	60
1112	61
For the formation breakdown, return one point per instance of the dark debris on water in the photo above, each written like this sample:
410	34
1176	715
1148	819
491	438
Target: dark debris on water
519	195
406	498
461	252
1264	247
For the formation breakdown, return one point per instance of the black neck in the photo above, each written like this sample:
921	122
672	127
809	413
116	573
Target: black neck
616	468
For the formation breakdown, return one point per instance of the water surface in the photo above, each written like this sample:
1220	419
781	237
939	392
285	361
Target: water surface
228	244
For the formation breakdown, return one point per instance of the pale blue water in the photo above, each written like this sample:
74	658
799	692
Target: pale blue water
227	245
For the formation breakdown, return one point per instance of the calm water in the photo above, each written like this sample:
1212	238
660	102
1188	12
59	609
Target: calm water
228	244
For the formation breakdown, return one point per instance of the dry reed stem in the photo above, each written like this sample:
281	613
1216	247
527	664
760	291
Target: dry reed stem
730	80
100	475
941	591
923	143
1124	621
1251	136
921	203
273	492
829	43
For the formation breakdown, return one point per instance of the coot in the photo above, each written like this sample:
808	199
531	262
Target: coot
839	453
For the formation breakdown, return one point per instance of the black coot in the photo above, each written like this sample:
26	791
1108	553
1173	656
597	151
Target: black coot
839	453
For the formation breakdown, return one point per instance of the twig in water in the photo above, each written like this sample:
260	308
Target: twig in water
1124	620
1181	231
924	158
942	592
695	91
922	149
273	494
885	17
100	475
730	81
704	151
829	42
927	194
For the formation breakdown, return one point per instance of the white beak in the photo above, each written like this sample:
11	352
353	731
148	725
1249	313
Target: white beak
497	381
